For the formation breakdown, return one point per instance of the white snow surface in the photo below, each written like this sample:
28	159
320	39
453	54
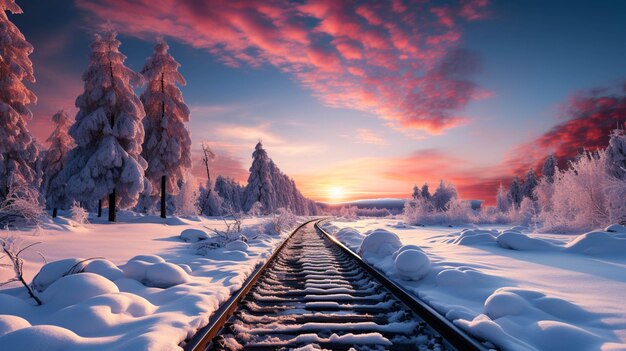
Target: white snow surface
517	289
144	289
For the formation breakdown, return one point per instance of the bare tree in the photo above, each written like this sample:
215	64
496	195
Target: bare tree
207	156
12	252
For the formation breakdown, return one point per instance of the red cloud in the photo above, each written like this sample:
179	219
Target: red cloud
591	117
389	58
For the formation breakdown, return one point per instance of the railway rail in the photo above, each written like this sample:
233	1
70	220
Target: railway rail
314	290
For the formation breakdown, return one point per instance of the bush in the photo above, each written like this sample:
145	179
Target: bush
21	207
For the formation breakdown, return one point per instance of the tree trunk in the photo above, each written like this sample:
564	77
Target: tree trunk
163	197
99	208
112	206
54	212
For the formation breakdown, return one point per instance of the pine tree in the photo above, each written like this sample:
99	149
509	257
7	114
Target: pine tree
231	192
416	193
502	200
515	192
530	183
108	132
54	161
549	168
18	151
167	145
616	154
425	192
260	188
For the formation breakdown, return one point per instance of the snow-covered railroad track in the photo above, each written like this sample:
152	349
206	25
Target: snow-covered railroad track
314	292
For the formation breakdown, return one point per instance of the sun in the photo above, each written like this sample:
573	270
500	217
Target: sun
336	194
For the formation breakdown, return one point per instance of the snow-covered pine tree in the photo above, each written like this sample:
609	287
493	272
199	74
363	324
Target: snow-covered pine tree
530	183
502	200
231	192
416	193
260	188
425	192
549	168
445	193
515	192
108	131
167	145
616	154
54	161
18	151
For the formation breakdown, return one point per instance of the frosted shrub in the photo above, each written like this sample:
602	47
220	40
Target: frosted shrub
186	201
348	212
459	212
255	209
579	201
416	212
282	220
79	214
616	200
21	207
528	213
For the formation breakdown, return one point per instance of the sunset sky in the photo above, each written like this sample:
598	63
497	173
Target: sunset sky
365	99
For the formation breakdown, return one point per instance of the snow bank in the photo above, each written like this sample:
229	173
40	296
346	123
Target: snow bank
596	243
380	243
237	245
517	241
153	271
104	268
615	228
75	288
350	237
10	323
193	235
412	265
557	324
40	337
53	271
474	237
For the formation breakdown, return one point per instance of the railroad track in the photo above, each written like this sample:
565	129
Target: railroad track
314	290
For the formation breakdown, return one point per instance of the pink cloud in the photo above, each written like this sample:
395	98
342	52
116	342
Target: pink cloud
389	59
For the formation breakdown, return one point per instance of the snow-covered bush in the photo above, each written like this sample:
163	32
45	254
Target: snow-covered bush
412	264
503	204
379	243
193	235
282	220
79	214
348	212
372	212
186	202
445	193
256	209
21	207
528	213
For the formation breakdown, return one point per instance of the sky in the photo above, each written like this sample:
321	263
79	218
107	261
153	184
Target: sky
362	99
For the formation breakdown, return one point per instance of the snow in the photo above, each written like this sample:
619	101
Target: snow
142	288
615	228
237	245
518	289
193	235
379	242
412	265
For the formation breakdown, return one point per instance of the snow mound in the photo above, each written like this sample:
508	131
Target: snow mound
148	258
75	288
350	237
40	337
404	248
616	228
379	242
157	274
514	240
504	303
104	268
412	265
470	237
10	324
165	275
193	235
453	277
521	229
53	271
597	243
238	245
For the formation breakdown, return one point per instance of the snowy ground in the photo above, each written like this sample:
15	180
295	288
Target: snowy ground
520	291
125	310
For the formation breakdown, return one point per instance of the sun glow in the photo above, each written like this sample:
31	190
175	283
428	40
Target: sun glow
336	194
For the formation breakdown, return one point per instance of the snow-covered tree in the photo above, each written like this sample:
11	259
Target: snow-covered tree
211	204
167	144
416	193
108	131
549	168
515	192
616	154
260	188
231	192
18	151
502	200
530	183
425	191
445	193
54	161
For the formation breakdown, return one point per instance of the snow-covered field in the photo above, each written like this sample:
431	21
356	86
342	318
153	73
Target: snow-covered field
124	301
518	290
